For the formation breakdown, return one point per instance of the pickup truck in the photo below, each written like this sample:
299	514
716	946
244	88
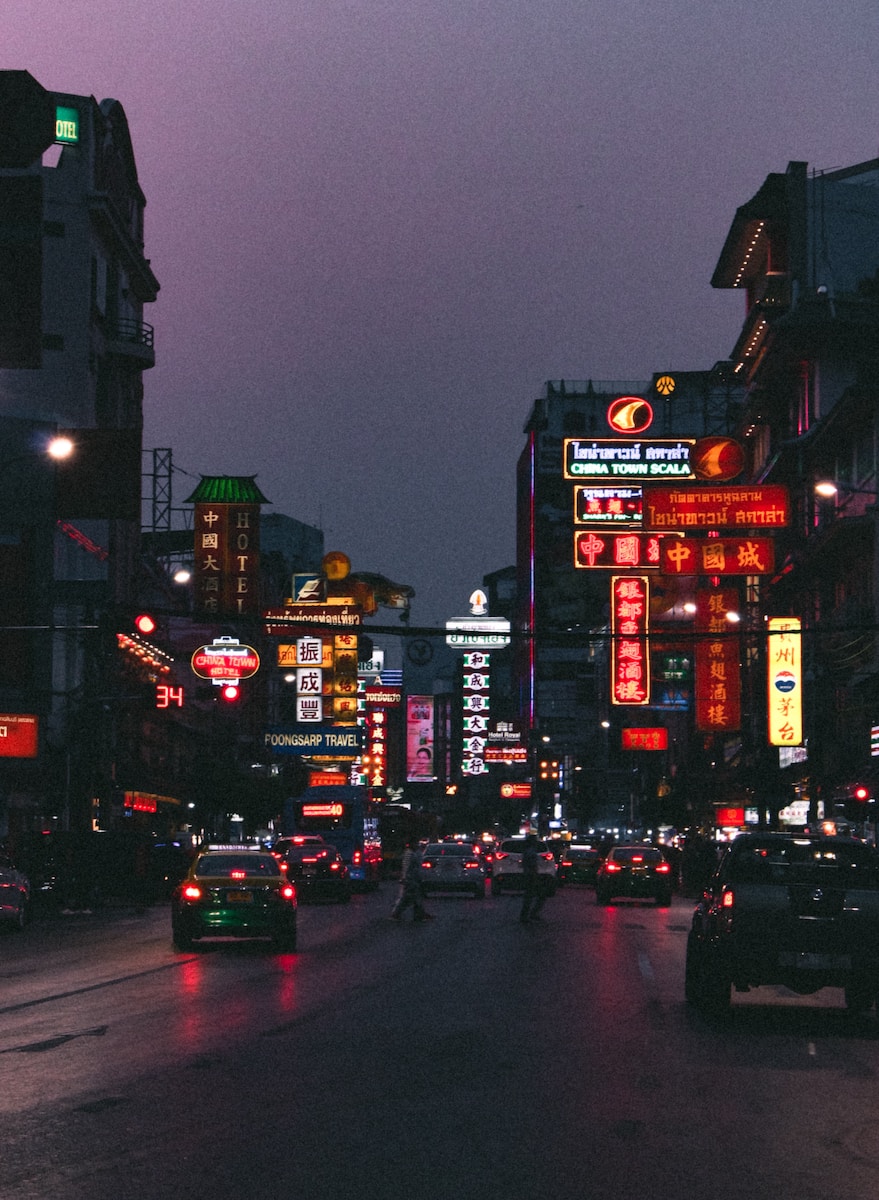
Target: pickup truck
801	911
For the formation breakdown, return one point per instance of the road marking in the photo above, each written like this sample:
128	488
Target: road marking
812	1049
644	965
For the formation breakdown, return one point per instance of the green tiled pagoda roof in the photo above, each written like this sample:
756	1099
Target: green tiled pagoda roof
227	489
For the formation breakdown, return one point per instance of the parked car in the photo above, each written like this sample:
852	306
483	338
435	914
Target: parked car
579	864
317	869
506	871
637	871
15	893
453	867
232	892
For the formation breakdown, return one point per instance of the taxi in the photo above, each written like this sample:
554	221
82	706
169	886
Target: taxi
234	892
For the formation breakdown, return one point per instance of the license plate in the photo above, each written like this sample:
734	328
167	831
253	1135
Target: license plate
240	897
309	871
808	961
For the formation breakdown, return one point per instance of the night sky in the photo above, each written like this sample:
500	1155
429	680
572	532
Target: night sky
380	226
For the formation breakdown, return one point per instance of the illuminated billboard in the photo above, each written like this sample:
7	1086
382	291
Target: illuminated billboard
784	681
718	672
419	739
618	458
608	505
718	556
630	655
708	507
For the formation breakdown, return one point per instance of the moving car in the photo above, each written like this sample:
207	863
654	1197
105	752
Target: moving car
506	870
579	864
15	893
315	867
634	872
452	867
234	892
796	910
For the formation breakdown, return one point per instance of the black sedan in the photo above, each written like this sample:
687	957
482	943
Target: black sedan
634	872
317	869
579	864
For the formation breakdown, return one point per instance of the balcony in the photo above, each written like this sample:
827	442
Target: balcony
132	339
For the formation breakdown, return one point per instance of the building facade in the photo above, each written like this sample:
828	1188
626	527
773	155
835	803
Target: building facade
73	349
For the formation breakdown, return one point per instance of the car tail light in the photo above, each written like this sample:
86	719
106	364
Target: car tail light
357	858
335	866
471	863
283	864
238	874
427	864
566	862
727	898
547	855
501	854
191	892
637	858
612	866
288	891
662	868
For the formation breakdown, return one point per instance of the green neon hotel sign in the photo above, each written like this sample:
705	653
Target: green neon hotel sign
66	125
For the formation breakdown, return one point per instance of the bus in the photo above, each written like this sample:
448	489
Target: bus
339	813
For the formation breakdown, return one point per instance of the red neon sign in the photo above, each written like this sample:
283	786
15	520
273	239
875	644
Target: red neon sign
718	674
630	656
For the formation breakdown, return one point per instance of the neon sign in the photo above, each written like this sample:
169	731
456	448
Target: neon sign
630	656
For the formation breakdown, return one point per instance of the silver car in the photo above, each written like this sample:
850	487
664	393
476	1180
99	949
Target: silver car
453	867
15	893
506	870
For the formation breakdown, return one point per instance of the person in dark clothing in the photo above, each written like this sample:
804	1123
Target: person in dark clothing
534	894
410	886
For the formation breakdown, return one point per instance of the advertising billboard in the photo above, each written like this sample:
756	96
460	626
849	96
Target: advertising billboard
419	739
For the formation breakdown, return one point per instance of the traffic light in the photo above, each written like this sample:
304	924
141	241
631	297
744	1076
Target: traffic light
230	692
145	623
861	794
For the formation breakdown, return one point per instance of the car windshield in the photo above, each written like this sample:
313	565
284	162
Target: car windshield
636	854
517	845
448	850
804	860
582	854
218	865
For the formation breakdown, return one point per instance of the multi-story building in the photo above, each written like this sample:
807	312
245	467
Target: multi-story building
561	642
805	252
73	349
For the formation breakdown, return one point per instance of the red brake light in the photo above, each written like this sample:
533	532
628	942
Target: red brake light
238	874
471	862
335	866
288	891
283	864
191	892
637	858
357	857
612	866
662	868
727	899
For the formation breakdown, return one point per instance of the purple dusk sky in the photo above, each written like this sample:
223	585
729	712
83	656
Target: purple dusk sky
380	226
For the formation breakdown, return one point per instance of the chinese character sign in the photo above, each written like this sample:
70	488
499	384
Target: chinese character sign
718	556
477	703
785	681
630	657
718	673
227	559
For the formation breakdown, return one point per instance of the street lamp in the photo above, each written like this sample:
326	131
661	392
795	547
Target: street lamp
828	489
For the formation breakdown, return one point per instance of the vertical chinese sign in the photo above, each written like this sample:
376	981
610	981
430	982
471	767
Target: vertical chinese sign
227	545
718	673
784	681
477	704
630	655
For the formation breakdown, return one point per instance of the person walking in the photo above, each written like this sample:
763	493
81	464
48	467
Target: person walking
534	894
410	886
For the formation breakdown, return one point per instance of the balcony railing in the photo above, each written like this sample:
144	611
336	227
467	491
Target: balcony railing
138	333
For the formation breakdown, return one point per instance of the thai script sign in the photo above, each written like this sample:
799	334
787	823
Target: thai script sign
280	621
18	735
706	507
618	458
608	505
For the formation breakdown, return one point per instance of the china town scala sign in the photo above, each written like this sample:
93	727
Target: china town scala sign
225	658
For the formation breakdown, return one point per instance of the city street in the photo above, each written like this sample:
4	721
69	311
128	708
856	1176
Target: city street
469	1057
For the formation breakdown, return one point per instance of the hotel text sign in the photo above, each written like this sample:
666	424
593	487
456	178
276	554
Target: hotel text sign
618	458
706	507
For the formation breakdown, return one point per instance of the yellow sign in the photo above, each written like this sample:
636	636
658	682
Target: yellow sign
784	681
